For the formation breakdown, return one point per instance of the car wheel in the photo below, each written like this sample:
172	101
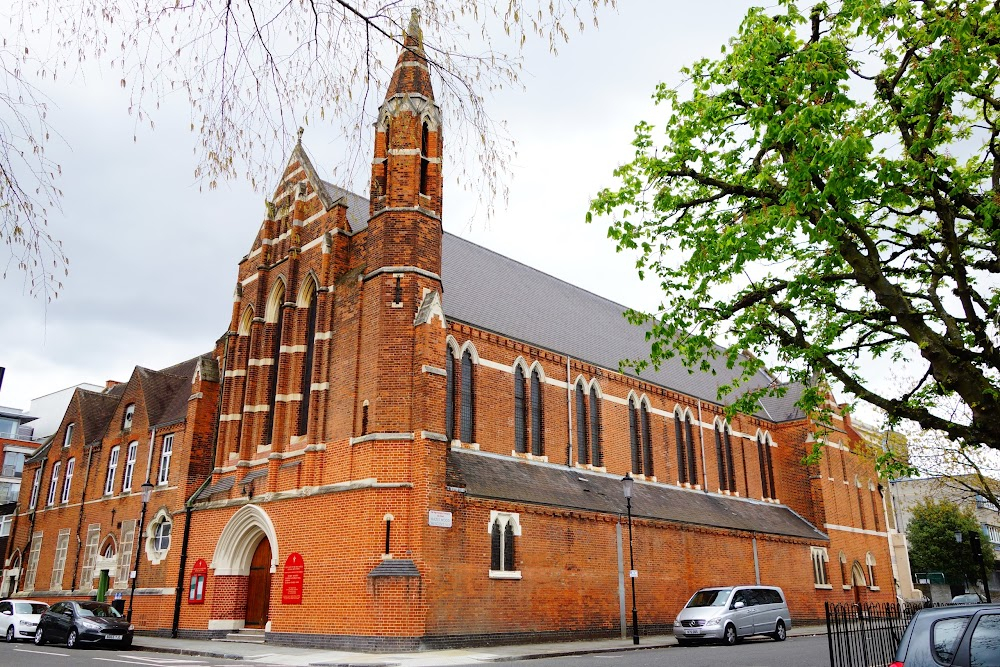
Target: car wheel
10	633
779	632
71	639
729	638
39	640
127	643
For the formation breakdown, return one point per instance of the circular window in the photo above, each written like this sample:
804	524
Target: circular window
158	537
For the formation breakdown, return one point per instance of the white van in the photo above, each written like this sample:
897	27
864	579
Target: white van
730	613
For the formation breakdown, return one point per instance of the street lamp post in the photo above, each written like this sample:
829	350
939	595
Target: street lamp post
147	490
627	482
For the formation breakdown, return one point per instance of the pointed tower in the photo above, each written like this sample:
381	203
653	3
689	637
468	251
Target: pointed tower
402	247
405	226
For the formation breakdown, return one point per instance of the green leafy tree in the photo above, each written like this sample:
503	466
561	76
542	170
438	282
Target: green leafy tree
827	192
933	548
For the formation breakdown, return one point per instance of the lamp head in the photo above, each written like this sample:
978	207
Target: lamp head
147	490
627	483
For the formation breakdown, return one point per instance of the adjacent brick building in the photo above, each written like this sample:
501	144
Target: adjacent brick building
420	442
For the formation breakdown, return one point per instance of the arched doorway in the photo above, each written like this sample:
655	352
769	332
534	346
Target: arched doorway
246	555
858	580
259	585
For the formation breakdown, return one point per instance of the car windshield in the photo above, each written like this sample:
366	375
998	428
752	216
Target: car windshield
98	609
29	607
710	598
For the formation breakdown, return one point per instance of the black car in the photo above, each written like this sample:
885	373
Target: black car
78	623
957	636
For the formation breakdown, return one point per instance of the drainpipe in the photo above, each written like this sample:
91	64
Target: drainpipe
79	521
189	504
569	417
704	468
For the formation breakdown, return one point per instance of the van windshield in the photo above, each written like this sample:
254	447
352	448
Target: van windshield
710	598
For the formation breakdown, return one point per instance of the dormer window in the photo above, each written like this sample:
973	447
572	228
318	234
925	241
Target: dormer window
127	419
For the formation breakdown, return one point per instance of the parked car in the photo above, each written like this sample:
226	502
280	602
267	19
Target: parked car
19	618
959	636
78	623
730	613
968	598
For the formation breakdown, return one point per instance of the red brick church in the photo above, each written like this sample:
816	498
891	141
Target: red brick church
406	440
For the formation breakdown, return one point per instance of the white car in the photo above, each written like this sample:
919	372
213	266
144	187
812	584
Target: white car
19	618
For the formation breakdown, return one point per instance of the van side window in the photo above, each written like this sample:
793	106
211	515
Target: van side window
741	596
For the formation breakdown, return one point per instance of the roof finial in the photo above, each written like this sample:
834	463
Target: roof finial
302	131
413	30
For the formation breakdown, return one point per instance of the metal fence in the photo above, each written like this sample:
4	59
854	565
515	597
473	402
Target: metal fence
866	634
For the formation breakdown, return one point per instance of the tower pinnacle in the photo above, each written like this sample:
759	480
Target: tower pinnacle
412	75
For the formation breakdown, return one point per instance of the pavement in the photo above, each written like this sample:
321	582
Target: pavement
271	654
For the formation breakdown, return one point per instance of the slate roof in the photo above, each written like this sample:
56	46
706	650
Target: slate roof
489	291
503	478
357	206
224	484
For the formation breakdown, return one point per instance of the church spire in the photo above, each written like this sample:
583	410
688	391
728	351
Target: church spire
412	75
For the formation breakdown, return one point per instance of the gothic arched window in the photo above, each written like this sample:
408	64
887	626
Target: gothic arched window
647	440
520	412
307	361
633	436
582	444
468	398
537	422
597	457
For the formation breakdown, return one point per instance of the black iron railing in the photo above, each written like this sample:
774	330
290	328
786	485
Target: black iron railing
866	634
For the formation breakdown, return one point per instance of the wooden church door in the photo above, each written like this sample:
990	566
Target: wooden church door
259	586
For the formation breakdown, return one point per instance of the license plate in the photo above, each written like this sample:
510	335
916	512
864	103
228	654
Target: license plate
114	637
692	632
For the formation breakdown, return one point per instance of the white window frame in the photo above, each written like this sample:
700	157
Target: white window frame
5	523
68	438
505	518
53	484
154	550
59	561
36	486
870	563
90	554
125	547
820	557
132	452
166	453
109	483
128	417
31	570
68	480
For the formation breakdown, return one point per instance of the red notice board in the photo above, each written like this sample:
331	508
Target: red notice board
294	578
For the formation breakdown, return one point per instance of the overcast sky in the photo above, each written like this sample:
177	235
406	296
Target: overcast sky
153	258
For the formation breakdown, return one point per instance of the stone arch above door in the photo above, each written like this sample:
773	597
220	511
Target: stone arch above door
239	539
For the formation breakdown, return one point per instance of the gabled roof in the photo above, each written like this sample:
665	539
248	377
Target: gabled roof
496	477
92	411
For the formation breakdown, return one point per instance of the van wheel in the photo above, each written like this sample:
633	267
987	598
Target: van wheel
729	638
684	642
779	632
